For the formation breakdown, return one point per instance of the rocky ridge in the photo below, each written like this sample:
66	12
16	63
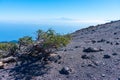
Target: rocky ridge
93	54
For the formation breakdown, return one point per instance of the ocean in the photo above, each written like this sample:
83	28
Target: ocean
14	31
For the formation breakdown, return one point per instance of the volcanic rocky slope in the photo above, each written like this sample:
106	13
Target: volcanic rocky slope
93	54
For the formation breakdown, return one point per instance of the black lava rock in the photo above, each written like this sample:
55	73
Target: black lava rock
90	49
115	33
93	41
118	78
84	57
77	46
117	44
114	54
106	56
102	40
65	70
107	42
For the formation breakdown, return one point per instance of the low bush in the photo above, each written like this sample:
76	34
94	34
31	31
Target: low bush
7	46
47	42
24	41
50	40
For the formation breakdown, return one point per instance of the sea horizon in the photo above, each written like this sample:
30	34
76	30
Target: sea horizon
14	31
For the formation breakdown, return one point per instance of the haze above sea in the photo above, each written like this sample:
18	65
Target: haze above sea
14	31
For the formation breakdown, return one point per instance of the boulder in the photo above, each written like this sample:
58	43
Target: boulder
90	49
116	43
115	33
103	75
65	70
93	41
107	42
85	57
106	56
118	79
114	54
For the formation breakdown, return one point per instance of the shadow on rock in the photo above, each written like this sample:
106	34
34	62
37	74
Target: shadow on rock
29	70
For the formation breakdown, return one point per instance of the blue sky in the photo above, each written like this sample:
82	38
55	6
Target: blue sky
59	11
23	17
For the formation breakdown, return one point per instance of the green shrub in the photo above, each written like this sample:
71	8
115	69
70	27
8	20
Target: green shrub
52	40
47	42
24	41
8	46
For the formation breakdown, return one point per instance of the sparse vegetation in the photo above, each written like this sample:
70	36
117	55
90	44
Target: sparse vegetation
8	49
50	40
8	46
24	41
46	43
